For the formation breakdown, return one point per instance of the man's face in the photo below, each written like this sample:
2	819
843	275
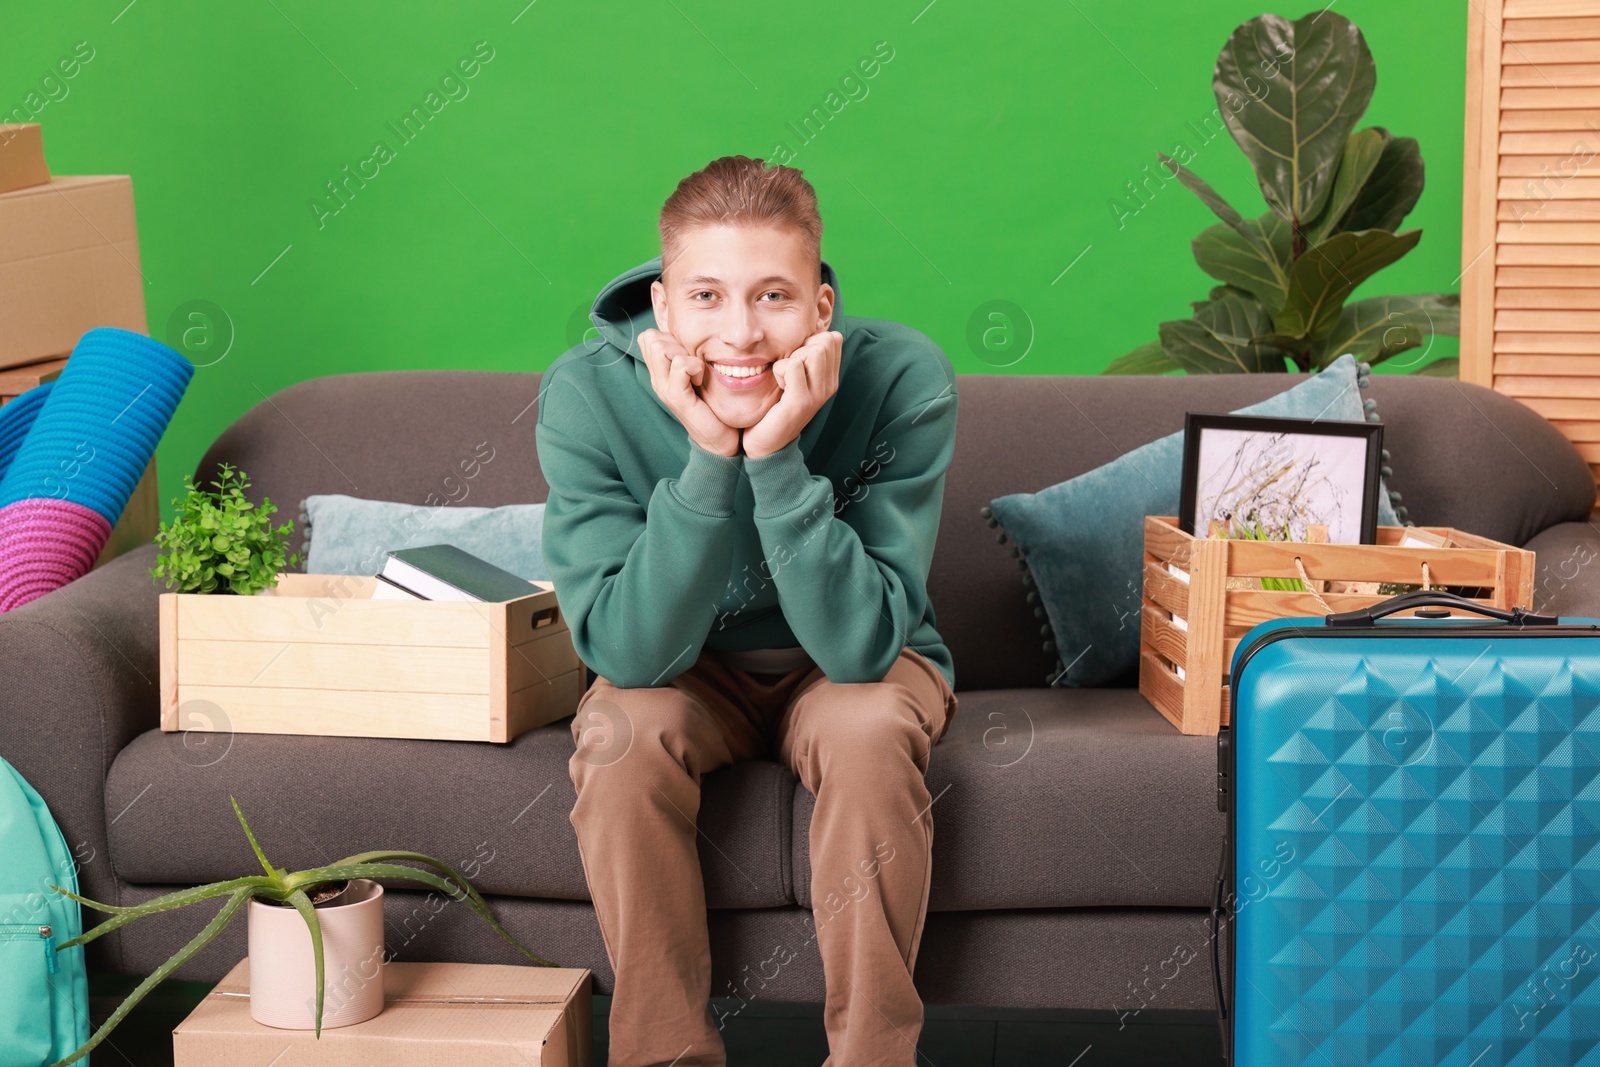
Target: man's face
740	298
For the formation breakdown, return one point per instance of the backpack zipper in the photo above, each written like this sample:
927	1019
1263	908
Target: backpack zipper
32	931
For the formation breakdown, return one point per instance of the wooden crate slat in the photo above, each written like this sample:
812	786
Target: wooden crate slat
1548	343
1524	385
1171	593
1360	563
1522	363
1546	320
333	713
1161	688
1554	298
318	665
1559	277
543	702
535	662
1158	632
1549	75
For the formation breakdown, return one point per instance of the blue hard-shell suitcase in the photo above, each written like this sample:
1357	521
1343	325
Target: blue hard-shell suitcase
1412	866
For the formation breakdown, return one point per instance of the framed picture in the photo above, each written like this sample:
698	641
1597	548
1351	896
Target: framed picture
1276	476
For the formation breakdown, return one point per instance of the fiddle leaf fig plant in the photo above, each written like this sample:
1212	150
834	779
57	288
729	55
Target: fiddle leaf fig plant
295	889
1291	94
221	542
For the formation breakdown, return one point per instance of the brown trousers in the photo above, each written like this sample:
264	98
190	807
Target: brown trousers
861	749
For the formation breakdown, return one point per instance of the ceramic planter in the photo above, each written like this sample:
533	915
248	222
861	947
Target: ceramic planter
283	971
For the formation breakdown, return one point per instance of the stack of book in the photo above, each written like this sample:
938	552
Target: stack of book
445	572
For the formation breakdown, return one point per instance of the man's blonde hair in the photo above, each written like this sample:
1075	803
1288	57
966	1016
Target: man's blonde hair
739	190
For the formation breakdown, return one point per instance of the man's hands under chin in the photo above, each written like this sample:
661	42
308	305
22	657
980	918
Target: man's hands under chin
808	376
676	374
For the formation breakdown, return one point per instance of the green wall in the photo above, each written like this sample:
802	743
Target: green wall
978	162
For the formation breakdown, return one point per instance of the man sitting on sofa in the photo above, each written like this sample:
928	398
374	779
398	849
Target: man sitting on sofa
742	513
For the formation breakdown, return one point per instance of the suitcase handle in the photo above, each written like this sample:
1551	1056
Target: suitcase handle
1417	598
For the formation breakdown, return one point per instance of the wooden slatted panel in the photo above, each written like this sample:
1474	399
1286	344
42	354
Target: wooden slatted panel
1531	224
1548	255
1587	299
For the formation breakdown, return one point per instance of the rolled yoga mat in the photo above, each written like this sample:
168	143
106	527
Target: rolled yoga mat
71	453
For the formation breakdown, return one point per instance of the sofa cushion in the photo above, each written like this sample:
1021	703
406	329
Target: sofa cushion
1082	542
1062	798
499	813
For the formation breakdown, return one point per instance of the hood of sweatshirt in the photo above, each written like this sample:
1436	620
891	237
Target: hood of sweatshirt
623	310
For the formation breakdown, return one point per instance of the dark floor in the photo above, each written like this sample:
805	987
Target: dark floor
777	1034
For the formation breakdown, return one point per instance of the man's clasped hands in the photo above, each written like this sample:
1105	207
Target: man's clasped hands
808	376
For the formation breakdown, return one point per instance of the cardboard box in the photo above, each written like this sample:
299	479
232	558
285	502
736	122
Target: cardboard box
69	261
21	156
317	655
434	1014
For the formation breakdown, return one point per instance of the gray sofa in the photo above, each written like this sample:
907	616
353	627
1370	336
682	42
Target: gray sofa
1076	831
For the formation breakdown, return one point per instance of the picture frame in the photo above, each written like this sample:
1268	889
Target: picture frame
1285	472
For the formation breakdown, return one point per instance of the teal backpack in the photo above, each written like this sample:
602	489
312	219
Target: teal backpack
44	995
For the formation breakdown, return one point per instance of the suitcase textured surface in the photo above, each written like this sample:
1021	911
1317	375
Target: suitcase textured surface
1413	869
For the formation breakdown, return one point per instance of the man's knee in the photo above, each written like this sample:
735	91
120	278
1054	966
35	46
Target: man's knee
868	722
613	721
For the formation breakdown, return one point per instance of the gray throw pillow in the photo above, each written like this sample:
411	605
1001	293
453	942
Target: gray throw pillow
349	535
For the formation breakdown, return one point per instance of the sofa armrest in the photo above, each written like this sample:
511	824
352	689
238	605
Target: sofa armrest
81	670
1566	576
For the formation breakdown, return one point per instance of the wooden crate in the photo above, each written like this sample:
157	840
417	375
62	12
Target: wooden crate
1212	617
317	655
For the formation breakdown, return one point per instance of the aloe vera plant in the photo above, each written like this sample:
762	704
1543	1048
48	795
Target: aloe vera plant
276	886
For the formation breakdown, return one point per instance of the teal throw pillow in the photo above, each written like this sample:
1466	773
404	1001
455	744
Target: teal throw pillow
349	535
1081	542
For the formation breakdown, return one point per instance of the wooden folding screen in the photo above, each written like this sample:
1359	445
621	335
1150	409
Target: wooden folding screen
1530	284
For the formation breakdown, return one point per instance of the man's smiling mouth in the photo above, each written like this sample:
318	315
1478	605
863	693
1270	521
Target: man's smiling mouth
741	373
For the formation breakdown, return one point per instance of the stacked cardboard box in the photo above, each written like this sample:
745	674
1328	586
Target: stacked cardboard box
434	1013
69	261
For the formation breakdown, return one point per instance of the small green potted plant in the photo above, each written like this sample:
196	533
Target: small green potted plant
306	892
221	542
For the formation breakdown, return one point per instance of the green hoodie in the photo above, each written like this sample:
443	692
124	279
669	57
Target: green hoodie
659	548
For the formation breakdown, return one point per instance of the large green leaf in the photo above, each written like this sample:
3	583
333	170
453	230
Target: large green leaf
1220	339
1208	196
1260	266
1148	358
1290	93
1362	150
1329	272
1378	328
1392	190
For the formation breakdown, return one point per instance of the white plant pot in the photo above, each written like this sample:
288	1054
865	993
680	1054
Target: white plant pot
283	970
